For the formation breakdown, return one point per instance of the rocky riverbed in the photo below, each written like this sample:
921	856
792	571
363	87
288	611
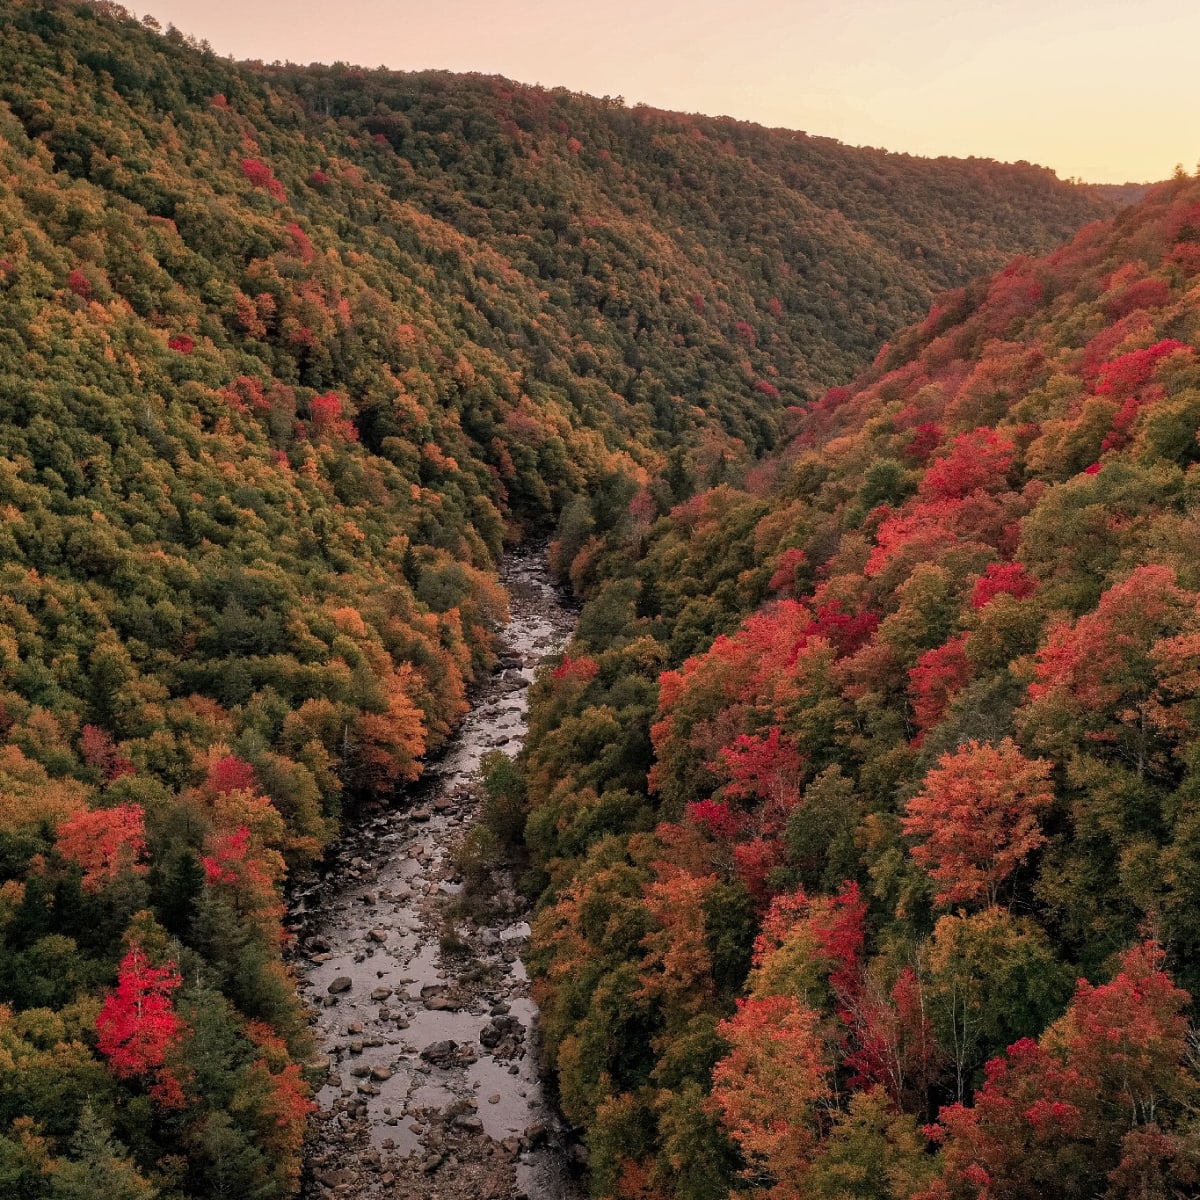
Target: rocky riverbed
422	1008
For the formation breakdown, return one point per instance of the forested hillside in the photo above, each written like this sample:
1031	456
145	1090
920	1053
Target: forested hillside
286	358
637	221
863	808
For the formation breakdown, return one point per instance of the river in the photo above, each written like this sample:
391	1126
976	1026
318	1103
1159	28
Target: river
424	1012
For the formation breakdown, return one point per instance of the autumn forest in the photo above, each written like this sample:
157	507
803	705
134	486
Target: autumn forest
857	821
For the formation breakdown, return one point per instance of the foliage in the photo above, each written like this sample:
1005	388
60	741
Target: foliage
938	653
138	1028
287	357
976	818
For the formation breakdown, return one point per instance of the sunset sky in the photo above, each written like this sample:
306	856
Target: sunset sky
1106	90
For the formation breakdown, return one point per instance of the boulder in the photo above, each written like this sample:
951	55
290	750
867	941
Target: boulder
440	1054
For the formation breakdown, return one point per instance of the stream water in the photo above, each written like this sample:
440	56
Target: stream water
424	1014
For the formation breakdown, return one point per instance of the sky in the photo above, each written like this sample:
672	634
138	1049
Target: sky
1103	90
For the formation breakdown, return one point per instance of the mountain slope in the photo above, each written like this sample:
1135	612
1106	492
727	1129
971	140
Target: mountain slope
641	212
855	766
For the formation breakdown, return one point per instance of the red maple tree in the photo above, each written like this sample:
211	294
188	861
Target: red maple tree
231	774
1002	579
260	175
105	842
138	1027
938	675
978	459
99	751
976	819
769	1088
